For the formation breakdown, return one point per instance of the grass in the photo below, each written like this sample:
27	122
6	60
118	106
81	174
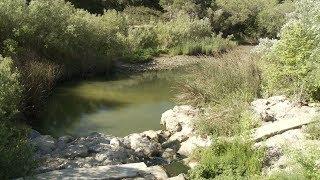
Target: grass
223	87
213	45
313	130
227	159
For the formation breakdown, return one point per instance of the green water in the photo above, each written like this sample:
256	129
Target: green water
119	106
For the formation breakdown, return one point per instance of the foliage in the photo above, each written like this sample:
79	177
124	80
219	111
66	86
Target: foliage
270	20
313	130
305	164
224	87
16	154
141	15
213	45
10	90
292	67
98	6
227	159
143	43
182	29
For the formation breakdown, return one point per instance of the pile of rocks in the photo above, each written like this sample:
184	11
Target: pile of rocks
153	148
283	127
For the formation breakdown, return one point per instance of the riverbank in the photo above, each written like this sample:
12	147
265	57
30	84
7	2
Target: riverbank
153	148
168	62
177	141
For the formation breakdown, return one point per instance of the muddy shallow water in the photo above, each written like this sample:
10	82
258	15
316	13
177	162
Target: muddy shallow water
118	106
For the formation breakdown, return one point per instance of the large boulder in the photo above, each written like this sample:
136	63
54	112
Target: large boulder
44	144
192	143
179	118
141	143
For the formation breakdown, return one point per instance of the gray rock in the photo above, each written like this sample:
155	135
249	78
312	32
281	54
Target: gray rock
33	134
62	141
141	143
179	177
175	145
178	118
102	172
169	155
73	151
115	143
44	144
192	143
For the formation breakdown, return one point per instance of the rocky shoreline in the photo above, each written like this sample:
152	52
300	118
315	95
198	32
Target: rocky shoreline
153	148
282	124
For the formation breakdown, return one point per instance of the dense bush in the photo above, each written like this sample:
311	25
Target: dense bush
292	67
143	43
98	6
270	20
249	19
213	45
141	15
224	87
10	90
15	153
228	160
245	19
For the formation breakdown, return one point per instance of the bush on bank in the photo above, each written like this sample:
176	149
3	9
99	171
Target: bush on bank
292	67
228	160
16	158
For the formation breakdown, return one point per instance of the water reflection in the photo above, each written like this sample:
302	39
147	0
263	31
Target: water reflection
118	107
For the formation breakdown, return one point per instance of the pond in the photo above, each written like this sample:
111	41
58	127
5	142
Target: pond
118	106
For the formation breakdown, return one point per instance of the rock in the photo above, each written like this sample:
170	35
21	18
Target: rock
101	172
179	177
181	136
52	164
96	142
192	143
155	172
62	141
178	118
33	134
44	144
115	143
273	154
169	155
140	143
285	116
175	145
152	135
75	151
65	139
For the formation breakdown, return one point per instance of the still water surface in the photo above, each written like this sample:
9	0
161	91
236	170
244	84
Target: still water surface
119	106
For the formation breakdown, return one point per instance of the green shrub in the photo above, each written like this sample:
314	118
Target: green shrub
225	159
182	29
213	45
223	87
143	44
313	130
16	158
292	67
11	15
141	15
16	154
65	35
10	90
270	20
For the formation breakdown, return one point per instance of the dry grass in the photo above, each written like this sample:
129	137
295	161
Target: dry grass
223	88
